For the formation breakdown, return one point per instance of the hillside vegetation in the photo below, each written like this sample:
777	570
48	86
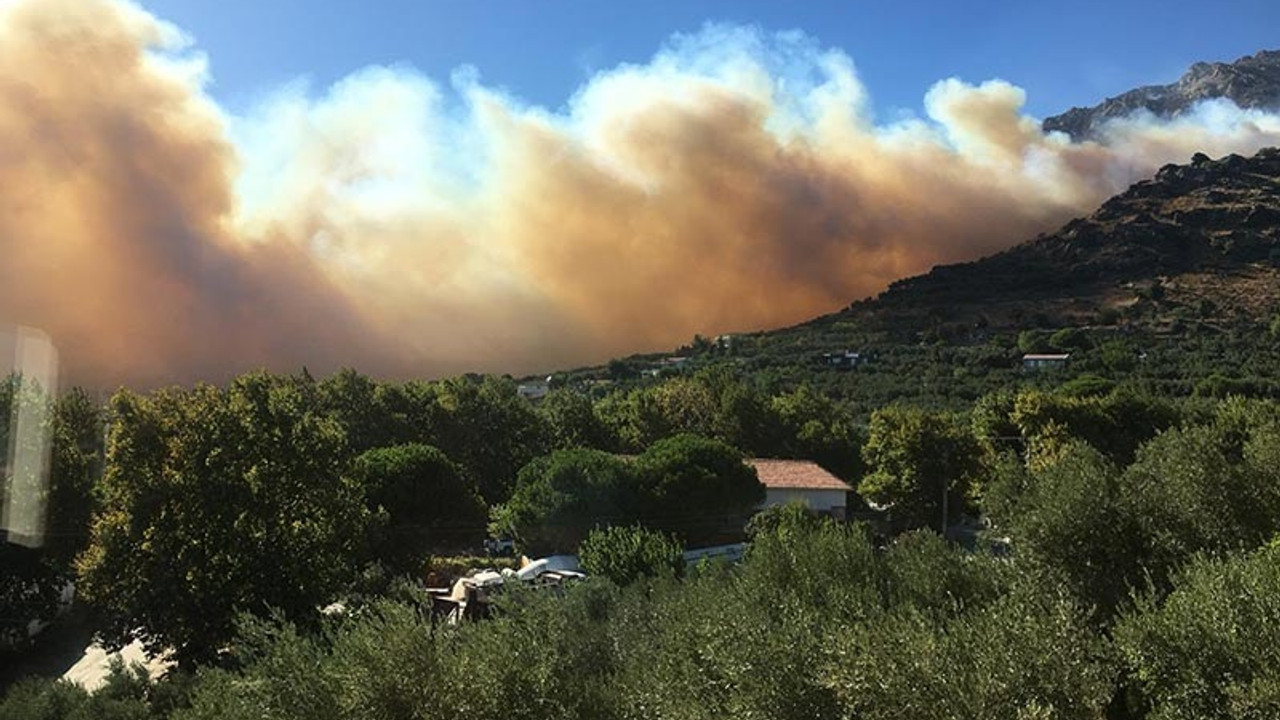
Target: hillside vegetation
1128	500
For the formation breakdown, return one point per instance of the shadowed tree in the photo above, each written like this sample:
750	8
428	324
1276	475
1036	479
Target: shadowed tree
420	501
218	502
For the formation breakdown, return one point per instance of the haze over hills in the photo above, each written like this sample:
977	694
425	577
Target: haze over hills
1202	235
1210	227
1252	82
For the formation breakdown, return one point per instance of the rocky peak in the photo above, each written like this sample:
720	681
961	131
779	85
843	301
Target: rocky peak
1250	82
1207	216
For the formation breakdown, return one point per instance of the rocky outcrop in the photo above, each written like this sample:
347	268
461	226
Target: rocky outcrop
1205	216
1250	82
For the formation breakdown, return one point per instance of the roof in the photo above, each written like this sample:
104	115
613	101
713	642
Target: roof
1039	356
795	475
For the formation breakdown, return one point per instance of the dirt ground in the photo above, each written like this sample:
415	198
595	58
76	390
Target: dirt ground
66	650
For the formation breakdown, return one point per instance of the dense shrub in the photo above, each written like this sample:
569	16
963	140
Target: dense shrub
626	554
1209	650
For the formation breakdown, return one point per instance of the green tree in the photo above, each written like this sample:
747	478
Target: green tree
624	554
1203	489
634	418
1033	341
561	497
815	427
484	425
420	501
1116	424
572	421
1028	654
744	418
217	502
1118	355
1067	339
1208	651
920	463
1211	488
697	488
364	409
687	405
75	467
1073	516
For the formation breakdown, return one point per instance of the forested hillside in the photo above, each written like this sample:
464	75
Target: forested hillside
1127	502
1172	286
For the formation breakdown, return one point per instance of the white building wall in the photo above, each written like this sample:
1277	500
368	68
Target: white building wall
817	500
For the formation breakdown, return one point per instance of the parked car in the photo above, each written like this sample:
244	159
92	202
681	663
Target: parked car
502	547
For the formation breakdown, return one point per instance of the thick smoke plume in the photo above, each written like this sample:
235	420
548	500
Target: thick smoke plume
736	181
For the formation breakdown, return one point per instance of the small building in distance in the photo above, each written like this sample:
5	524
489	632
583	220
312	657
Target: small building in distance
805	481
844	359
534	390
667	366
1041	361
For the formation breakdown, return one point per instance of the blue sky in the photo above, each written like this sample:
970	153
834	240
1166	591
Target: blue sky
1063	54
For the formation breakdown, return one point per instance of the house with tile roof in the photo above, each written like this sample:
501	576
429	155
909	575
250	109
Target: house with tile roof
804	481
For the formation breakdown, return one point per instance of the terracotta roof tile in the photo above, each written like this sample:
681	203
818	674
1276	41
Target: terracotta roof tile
796	475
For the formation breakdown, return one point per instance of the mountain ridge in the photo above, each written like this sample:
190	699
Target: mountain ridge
1252	81
1206	217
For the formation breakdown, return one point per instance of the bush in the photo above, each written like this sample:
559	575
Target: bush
1027	655
792	517
1087	385
127	694
1209	650
626	554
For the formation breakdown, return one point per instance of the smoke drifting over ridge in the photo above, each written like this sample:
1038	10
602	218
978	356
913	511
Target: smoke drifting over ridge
735	181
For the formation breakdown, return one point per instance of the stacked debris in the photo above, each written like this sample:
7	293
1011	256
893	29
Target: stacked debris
470	597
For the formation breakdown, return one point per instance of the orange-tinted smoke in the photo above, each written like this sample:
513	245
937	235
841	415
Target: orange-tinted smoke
734	182
113	219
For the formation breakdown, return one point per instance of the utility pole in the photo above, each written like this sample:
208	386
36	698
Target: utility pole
944	508
946	482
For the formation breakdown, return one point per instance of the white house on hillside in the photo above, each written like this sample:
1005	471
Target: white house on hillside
791	480
535	389
1041	361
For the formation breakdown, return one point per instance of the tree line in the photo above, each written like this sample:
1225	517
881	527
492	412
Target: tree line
1129	537
175	510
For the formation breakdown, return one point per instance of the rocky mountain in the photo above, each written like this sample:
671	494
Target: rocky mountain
1208	230
1250	82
